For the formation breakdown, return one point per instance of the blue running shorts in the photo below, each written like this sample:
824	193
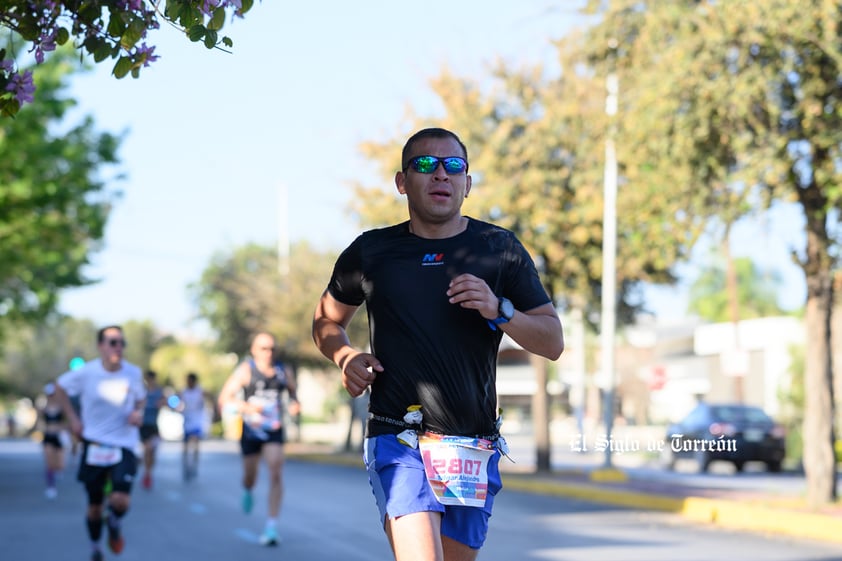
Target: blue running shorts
396	475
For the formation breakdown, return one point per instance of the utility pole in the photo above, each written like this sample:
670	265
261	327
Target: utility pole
608	326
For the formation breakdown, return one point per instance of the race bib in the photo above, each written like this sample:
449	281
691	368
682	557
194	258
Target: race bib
269	417
457	468
100	455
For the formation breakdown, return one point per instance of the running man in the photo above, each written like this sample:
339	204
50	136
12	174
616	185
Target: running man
112	397
263	382
440	290
192	408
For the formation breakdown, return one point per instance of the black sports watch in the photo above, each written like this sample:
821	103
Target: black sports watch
505	311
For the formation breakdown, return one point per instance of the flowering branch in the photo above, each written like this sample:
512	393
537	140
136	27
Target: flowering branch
115	29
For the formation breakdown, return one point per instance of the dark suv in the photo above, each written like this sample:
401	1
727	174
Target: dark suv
735	433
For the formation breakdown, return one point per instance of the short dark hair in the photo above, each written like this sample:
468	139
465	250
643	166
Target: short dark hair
432	132
100	335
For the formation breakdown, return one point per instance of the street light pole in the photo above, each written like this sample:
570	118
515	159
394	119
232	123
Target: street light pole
609	257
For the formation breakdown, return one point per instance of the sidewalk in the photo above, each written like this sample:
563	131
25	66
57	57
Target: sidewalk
761	512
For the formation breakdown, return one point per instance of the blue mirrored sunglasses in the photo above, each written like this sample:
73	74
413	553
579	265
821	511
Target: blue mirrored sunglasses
429	164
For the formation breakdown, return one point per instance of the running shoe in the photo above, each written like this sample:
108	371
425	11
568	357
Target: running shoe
269	537
96	556
147	481
51	493
248	501
115	539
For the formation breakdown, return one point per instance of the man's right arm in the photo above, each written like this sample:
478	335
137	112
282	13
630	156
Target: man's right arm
329	333
74	423
229	390
329	323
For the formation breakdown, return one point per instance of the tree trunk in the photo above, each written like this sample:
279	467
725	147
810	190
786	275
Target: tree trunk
819	458
541	414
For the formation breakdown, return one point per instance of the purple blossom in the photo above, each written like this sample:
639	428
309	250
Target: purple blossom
208	6
46	43
144	50
22	87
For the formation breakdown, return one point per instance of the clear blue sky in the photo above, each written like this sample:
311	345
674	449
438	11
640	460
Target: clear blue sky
212	136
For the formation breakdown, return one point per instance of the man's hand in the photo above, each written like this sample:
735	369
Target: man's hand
135	417
294	407
472	292
359	371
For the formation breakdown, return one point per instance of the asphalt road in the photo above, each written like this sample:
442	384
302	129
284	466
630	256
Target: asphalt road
329	514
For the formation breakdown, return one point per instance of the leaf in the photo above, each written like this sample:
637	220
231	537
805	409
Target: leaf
196	32
102	52
134	33
210	39
218	19
123	66
116	25
62	36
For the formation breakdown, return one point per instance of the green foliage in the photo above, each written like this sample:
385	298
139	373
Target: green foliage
174	360
104	30
244	291
54	199
32	355
142	341
756	292
727	108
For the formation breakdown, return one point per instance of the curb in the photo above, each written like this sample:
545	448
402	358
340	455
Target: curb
724	513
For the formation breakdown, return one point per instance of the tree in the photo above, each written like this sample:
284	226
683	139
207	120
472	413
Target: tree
243	292
736	104
36	353
174	360
142	342
54	200
757	292
104	30
32	355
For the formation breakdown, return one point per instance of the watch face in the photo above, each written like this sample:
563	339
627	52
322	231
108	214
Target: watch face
506	308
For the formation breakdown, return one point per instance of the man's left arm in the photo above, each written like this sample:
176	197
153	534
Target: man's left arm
292	392
537	330
138	390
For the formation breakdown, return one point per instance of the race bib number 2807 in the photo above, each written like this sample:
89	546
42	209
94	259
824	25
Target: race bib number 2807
457	468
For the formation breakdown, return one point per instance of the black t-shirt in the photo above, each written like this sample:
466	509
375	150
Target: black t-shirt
434	353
